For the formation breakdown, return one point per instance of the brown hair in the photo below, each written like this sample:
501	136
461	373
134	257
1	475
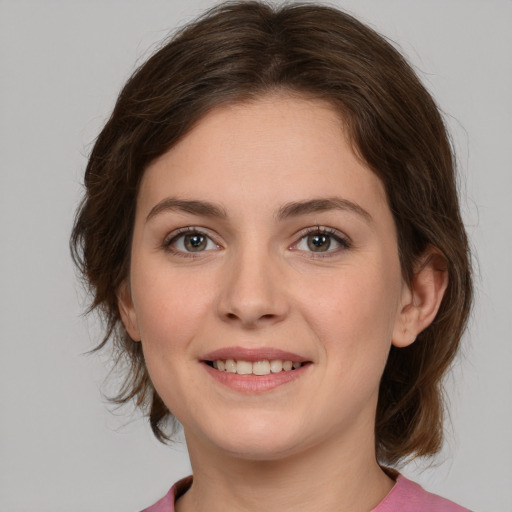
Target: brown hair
242	50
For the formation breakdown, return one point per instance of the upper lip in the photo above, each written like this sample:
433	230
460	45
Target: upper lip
253	354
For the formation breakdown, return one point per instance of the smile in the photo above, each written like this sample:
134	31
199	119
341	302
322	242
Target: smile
254	370
263	367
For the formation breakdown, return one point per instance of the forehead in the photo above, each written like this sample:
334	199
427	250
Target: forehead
280	147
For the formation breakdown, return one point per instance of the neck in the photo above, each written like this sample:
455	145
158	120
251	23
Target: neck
334	476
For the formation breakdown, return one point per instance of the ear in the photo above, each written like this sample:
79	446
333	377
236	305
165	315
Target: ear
421	301
127	311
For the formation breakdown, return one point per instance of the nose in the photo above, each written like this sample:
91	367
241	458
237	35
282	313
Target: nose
253	291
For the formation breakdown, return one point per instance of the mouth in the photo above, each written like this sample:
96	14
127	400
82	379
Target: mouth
254	370
259	368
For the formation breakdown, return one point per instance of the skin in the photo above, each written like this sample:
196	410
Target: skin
258	284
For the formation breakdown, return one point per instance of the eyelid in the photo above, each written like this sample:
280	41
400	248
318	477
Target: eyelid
336	234
174	235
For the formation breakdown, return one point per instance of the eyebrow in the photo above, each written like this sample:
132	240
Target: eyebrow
292	209
297	208
203	208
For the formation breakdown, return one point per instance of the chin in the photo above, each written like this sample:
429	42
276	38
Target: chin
252	449
256	440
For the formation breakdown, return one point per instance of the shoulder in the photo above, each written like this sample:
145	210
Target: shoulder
408	496
166	504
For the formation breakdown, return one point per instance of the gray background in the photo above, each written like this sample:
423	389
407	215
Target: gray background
63	63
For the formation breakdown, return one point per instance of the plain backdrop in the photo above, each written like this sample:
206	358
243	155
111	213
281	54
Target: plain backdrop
62	65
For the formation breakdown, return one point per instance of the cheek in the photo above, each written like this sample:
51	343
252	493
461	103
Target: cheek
354	320
170	308
359	301
171	315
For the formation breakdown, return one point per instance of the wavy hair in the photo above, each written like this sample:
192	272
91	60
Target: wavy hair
240	51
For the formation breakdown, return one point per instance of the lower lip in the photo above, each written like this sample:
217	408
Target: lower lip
255	383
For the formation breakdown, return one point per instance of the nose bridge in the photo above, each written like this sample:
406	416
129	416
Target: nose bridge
253	292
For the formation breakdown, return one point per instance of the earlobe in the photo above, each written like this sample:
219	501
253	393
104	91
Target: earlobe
127	311
421	301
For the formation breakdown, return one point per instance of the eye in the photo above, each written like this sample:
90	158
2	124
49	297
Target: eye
322	240
190	240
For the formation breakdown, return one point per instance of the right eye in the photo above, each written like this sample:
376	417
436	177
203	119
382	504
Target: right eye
322	242
191	241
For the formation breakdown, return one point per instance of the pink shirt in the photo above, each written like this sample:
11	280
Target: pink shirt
406	496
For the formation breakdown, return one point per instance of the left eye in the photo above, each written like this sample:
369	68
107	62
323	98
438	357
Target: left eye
193	241
320	242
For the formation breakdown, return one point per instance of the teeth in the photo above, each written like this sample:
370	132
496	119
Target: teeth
243	367
230	366
276	366
263	367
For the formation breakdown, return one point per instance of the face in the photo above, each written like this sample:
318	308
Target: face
261	242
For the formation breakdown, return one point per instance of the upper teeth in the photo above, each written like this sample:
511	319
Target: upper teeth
264	367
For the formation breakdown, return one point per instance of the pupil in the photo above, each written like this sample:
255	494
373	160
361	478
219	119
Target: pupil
319	243
195	242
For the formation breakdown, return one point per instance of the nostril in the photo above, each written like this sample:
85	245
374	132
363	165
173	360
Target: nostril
233	316
250	313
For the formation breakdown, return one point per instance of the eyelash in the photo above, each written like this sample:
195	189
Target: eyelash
332	233
169	242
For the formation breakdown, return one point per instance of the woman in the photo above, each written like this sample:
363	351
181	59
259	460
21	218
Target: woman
272	232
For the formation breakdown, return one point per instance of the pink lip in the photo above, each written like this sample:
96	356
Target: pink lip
253	354
253	384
